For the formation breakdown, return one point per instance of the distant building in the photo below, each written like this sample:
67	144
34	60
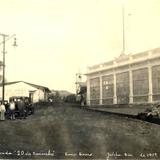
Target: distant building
37	93
128	79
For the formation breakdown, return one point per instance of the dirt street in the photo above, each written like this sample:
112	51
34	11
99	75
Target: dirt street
62	131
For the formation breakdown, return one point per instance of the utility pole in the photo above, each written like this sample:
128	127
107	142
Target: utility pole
3	64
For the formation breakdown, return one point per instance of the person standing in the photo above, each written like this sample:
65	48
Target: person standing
12	109
3	110
21	107
82	100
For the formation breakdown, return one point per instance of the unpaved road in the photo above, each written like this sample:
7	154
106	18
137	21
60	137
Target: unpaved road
62	131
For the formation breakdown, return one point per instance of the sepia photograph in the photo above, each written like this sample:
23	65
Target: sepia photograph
80	79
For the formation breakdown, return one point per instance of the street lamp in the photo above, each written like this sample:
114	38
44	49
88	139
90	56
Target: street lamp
3	64
78	80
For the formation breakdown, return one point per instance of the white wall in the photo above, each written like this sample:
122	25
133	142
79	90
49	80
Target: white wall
38	96
22	89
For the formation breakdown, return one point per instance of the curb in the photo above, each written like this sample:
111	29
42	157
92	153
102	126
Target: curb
110	113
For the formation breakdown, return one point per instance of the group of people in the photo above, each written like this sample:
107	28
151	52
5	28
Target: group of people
8	111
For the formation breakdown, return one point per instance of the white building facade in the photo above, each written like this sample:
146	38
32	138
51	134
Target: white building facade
20	88
128	79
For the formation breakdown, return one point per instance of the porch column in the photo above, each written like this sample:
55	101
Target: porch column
100	100
150	84
114	89
88	92
130	87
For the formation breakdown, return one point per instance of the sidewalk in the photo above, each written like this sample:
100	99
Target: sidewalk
120	110
124	111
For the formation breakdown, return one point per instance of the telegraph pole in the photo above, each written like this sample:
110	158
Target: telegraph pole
3	64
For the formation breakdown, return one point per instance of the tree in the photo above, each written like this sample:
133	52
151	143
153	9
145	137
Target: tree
57	97
70	98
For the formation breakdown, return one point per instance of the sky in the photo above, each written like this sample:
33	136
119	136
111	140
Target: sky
59	38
